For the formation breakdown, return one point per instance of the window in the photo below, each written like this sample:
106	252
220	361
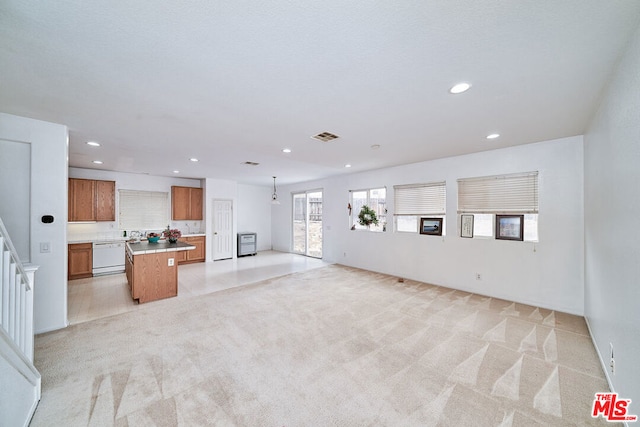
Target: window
484	197
143	210
375	199
411	202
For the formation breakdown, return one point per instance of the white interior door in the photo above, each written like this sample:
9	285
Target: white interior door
222	229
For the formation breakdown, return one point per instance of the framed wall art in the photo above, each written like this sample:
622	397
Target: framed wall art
432	226
466	226
510	227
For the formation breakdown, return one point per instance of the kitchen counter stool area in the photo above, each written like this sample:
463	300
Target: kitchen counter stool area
152	269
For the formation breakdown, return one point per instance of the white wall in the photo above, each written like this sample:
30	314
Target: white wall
251	211
547	274
612	239
129	181
15	162
19	387
49	149
254	213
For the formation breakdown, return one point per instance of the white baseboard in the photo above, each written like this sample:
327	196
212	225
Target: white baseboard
605	367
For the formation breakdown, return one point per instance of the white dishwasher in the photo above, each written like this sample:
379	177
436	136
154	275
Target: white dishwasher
108	257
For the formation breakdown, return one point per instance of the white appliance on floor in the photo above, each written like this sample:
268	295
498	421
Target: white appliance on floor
247	243
108	257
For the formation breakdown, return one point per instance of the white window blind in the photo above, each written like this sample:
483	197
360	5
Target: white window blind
143	210
420	199
500	194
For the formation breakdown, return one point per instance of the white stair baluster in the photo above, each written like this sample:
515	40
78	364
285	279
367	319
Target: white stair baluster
12	301
20	312
6	256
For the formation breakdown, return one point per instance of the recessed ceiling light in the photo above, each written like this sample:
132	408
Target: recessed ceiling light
347	165
176	171
286	150
93	143
493	136
193	159
375	146
459	88
97	162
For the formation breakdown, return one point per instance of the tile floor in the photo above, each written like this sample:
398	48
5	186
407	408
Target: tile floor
98	297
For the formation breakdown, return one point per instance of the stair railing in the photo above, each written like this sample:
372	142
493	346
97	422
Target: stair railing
16	307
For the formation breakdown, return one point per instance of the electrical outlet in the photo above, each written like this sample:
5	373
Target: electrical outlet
478	276
170	263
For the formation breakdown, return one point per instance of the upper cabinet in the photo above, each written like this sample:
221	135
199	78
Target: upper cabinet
105	201
82	200
186	203
91	200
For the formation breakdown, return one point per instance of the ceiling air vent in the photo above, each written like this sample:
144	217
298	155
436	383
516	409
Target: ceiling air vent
325	136
251	163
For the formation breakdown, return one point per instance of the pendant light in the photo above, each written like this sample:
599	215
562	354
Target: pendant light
274	196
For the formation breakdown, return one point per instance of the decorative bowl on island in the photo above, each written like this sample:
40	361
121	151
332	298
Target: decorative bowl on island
153	237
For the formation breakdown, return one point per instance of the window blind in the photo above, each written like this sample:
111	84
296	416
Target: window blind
143	210
499	194
420	199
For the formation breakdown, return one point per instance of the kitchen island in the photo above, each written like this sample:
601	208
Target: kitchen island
152	269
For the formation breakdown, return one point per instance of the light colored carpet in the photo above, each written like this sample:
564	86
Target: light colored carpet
334	346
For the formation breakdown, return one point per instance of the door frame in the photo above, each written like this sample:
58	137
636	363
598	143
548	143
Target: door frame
214	232
306	237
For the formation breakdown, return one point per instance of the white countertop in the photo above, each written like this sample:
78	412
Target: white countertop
144	247
117	239
120	240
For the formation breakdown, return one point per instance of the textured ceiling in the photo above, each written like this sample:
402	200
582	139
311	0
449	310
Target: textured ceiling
227	82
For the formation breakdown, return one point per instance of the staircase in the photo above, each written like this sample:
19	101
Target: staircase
19	379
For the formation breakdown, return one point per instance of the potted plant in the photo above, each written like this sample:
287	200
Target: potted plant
172	235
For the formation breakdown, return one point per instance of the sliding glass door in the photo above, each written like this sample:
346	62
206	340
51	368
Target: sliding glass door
307	223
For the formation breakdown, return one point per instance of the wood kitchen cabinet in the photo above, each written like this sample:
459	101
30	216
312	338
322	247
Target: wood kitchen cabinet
128	268
151	276
79	260
91	200
196	255
82	196
181	257
186	203
105	201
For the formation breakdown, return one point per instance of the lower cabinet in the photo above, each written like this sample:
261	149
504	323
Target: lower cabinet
152	276
128	268
79	260
196	255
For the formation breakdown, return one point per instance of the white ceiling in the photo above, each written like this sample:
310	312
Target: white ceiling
227	82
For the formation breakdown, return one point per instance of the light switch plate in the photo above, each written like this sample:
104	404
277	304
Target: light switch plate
45	247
